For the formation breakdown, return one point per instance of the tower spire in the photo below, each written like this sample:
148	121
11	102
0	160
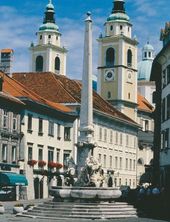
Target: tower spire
49	13
118	6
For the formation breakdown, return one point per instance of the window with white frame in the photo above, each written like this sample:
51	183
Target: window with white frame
4	152
50	154
105	135
120	163
14	153
111	136
58	131
116	162
100	133
130	164
40	154
126	163
30	152
5	119
40	126
116	141
134	165
51	128
127	140
121	138
14	122
58	155
67	133
29	122
111	162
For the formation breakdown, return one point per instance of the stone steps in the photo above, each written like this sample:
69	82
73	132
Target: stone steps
62	210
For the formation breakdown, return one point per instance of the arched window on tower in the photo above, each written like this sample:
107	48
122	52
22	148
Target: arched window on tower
129	57
39	64
57	64
110	57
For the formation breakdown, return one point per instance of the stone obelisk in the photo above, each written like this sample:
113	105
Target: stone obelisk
86	139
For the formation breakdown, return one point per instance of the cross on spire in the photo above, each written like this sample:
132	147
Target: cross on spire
50	1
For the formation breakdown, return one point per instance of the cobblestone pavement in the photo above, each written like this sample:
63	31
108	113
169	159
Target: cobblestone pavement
9	216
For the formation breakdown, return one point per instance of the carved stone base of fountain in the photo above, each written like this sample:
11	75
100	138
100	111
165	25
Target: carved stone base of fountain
90	194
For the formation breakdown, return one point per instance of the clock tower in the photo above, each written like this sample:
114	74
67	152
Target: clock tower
117	65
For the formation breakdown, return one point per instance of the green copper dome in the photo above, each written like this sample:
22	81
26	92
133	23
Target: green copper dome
50	6
148	47
145	66
49	27
118	16
118	11
49	19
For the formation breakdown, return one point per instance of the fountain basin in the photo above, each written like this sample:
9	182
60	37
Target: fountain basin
85	193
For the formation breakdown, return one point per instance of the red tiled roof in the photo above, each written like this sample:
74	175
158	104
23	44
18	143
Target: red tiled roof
59	88
16	89
144	105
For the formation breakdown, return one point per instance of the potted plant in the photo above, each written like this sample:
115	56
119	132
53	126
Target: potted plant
59	165
32	162
51	165
18	208
41	163
55	165
2	209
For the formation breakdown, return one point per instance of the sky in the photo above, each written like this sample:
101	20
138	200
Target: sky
20	20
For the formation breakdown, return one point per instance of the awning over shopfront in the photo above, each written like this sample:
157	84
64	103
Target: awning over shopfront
12	179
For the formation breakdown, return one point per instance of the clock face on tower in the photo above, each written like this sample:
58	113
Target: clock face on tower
109	75
129	77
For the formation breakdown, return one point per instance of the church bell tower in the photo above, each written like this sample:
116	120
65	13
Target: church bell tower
48	55
117	64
